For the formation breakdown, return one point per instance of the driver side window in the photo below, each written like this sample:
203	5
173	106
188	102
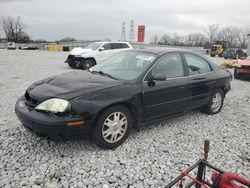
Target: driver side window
107	46
170	65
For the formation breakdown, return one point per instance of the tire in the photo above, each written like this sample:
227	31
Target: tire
225	57
221	55
236	75
108	117
215	105
212	55
88	63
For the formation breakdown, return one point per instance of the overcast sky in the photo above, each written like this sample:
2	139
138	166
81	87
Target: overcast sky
99	19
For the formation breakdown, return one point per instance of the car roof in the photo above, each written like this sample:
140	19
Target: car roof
111	42
161	51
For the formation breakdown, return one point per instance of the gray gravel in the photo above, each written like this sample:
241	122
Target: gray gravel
149	158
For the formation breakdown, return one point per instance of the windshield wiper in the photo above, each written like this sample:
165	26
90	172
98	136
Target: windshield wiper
103	74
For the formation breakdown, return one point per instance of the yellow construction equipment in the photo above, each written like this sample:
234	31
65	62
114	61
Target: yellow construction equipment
218	48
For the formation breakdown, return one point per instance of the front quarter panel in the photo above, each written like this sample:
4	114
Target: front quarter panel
224	79
94	103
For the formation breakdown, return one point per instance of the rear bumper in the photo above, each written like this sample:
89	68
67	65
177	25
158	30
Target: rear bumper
242	70
50	125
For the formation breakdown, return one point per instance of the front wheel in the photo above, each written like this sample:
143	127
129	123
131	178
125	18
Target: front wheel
88	63
215	104
112	127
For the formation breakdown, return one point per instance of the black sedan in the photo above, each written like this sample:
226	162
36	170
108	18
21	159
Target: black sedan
128	90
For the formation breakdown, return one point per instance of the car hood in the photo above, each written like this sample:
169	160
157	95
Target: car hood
70	85
79	51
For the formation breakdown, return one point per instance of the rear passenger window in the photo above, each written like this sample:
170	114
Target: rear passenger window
116	45
197	65
123	45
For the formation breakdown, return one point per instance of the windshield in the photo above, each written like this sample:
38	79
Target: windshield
94	45
231	50
125	65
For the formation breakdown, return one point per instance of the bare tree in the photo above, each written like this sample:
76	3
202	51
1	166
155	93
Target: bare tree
69	39
229	33
242	37
195	39
154	39
165	39
212	31
177	39
14	29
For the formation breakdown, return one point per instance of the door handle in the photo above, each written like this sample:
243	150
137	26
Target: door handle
198	78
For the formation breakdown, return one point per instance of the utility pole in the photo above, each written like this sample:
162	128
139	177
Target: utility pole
132	34
248	44
123	37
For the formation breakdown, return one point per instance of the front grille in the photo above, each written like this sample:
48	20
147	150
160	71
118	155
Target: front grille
29	101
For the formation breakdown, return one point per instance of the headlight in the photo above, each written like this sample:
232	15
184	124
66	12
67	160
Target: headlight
54	105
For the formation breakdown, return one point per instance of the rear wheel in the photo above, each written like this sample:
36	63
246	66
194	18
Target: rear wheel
215	104
88	63
112	127
212	55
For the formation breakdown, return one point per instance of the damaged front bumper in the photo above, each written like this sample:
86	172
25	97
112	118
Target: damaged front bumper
49	125
75	62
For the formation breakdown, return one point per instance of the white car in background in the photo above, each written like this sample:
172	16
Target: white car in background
11	46
95	52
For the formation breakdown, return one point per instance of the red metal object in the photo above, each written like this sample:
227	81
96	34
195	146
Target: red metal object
220	178
195	180
227	180
245	67
245	62
141	33
241	70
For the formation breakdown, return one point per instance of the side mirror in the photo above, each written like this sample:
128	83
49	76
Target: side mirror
156	77
194	68
159	77
101	49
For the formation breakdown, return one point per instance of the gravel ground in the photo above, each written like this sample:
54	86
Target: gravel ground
150	157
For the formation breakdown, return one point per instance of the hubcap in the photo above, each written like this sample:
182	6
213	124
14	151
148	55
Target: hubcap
114	127
216	102
88	64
